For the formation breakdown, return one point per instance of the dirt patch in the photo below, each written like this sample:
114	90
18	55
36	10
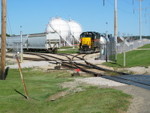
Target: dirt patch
57	96
141	99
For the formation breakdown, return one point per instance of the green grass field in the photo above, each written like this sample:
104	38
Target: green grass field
146	46
41	85
68	50
134	58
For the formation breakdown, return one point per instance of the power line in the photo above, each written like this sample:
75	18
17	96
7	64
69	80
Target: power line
9	24
121	9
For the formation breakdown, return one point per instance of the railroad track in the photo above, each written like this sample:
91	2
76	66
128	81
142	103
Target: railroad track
78	62
130	81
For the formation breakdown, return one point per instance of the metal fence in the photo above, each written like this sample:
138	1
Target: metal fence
17	49
124	47
109	53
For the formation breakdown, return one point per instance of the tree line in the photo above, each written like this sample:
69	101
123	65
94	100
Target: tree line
138	37
6	35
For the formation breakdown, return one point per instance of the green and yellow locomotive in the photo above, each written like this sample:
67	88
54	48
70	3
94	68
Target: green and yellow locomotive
89	42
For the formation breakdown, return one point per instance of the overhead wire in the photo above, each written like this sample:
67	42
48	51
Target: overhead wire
110	2
9	25
126	3
131	11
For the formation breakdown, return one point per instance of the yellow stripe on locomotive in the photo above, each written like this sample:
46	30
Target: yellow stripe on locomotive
86	41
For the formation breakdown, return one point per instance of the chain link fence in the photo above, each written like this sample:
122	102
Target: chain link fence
108	50
124	47
17	49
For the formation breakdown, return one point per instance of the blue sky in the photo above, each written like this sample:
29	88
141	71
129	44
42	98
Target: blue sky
33	15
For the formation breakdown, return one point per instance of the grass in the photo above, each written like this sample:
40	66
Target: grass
146	46
93	100
133	58
68	50
66	47
41	85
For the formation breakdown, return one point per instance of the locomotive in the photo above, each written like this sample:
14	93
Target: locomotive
89	42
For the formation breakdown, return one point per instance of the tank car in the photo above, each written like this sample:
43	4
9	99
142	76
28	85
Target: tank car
89	42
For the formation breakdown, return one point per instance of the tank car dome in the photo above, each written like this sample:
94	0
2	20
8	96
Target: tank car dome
102	40
75	29
60	26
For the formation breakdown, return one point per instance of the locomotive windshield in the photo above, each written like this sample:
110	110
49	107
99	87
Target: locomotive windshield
93	35
86	34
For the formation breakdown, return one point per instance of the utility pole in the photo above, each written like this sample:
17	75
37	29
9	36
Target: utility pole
21	45
140	19
103	2
115	26
3	39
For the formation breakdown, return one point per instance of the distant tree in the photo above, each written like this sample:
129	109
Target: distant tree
6	35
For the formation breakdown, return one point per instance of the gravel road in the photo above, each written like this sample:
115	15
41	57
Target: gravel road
141	98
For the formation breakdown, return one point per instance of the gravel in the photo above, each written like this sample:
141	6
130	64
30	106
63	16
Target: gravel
94	81
98	81
30	64
140	70
141	98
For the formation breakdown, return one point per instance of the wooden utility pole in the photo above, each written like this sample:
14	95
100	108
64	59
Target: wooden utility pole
3	39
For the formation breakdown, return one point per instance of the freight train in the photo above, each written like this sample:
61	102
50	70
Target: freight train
89	42
34	42
58	33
